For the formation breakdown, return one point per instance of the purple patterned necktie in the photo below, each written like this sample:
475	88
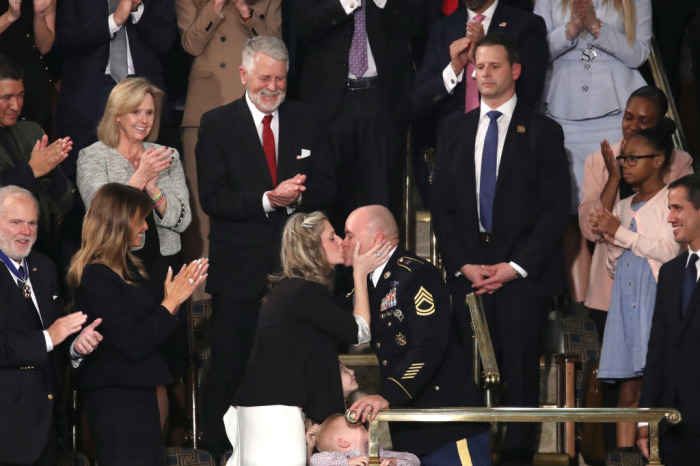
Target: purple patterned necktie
358	49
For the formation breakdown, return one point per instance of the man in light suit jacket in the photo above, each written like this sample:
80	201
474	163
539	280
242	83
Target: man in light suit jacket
258	160
30	329
28	160
499	202
440	87
671	378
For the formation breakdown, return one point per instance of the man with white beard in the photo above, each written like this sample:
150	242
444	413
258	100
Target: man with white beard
259	159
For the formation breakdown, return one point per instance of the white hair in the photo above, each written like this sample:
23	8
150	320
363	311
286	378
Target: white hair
268	45
13	190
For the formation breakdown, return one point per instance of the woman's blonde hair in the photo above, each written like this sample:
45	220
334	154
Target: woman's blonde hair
625	8
125	98
107	231
302	252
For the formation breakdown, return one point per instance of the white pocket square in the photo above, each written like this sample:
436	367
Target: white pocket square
55	297
304	153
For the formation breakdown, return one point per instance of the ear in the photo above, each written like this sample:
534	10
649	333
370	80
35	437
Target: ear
244	78
342	443
378	238
659	161
517	69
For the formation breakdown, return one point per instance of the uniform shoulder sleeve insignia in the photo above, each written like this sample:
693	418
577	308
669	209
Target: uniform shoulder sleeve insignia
407	262
424	302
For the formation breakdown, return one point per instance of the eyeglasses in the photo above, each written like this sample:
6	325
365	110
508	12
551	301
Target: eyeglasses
633	159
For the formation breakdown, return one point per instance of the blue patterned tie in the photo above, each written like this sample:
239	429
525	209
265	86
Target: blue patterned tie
487	185
690	278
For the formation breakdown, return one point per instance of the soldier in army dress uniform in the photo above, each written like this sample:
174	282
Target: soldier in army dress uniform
422	362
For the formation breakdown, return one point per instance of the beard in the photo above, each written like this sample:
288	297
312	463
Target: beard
475	5
8	247
257	100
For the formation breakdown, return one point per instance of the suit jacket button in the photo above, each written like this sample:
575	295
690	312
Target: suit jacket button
379	345
437	388
223	38
384	363
586	66
584	88
222	65
50	396
389	324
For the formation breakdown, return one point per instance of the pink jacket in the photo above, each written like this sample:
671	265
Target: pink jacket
594	179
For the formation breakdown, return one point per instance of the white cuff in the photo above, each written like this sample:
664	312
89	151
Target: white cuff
642	424
113	28
49	343
380	4
75	359
136	15
520	270
363	333
266	203
450	78
350	5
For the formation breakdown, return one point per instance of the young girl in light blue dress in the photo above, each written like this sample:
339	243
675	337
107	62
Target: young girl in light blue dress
640	240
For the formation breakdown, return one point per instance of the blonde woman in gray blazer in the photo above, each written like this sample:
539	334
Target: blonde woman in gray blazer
124	155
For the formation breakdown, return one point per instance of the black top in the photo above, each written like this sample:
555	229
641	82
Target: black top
294	360
134	326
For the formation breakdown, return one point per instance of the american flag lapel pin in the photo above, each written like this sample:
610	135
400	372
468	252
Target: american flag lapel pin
502	25
521	129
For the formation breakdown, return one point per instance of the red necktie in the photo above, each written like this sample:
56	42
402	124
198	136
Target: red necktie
269	148
449	6
471	94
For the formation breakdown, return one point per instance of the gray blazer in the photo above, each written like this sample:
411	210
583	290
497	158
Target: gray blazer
580	89
100	164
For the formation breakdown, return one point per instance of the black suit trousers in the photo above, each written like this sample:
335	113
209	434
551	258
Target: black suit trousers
232	332
370	150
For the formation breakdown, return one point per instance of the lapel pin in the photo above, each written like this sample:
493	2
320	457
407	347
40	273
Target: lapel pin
387	274
521	129
502	25
34	269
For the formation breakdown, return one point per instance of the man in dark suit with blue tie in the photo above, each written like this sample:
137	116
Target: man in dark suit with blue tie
30	330
499	202
671	378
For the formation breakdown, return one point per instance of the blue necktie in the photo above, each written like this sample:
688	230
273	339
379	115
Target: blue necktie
487	185
690	278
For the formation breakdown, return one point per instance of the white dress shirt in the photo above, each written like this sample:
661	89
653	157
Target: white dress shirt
448	75
374	276
113	29
49	343
350	6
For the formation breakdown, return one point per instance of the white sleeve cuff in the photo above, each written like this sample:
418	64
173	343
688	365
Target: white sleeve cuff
363	333
450	78
113	28
49	343
75	359
520	270
642	424
380	4
136	15
350	5
266	203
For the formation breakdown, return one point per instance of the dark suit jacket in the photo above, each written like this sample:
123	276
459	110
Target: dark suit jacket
526	30
233	175
530	208
26	389
53	190
670	375
294	361
134	325
327	31
422	366
82	37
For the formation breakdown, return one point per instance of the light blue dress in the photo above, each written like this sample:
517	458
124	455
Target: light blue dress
624	351
591	79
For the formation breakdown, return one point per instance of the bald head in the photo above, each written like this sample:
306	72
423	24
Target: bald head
367	226
335	434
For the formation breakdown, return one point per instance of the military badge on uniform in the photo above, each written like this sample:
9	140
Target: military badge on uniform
413	370
389	300
424	302
398	314
387	274
521	129
400	339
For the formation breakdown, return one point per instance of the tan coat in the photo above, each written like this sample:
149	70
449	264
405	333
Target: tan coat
216	42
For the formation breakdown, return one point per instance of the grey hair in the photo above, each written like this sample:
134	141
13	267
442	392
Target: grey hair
268	45
11	190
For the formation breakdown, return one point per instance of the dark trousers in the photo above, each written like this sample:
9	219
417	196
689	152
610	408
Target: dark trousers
370	151
126	425
232	332
516	326
680	446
